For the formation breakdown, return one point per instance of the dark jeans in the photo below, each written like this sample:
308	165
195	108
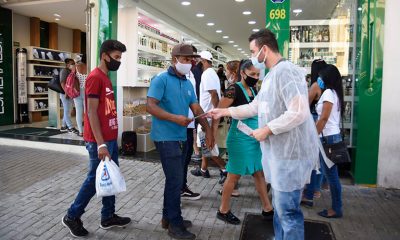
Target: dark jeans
88	189
189	153
173	156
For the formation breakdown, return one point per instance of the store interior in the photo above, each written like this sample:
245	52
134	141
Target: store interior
151	28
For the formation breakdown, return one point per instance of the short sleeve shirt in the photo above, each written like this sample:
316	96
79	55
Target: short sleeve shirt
175	95
332	125
98	85
209	81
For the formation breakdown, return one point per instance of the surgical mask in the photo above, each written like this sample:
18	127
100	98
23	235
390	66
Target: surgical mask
250	81
321	83
71	66
256	63
113	64
183	68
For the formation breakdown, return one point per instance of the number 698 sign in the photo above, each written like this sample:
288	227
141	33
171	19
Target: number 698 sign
277	14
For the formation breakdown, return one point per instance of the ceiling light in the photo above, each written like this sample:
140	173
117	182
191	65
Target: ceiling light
218	31
243	52
231	41
256	30
200	15
210	24
225	37
252	22
239	49
359	9
246	13
57	19
297	11
57	15
239	0
235	45
185	3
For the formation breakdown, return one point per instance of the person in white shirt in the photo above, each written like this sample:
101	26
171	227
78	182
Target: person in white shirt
287	133
210	93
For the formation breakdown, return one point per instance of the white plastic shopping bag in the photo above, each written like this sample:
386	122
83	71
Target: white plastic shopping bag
109	180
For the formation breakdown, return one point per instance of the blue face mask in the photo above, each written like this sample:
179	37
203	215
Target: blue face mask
321	83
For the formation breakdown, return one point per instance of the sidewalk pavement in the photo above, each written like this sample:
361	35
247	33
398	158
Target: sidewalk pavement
37	186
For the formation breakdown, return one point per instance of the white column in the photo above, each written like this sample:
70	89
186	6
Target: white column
389	140
127	34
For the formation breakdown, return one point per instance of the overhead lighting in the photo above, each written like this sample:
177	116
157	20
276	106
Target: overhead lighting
359	9
246	13
256	30
225	37
235	45
231	41
57	19
239	49
252	22
297	11
185	3
210	24
242	51
57	15
239	0
218	31
200	15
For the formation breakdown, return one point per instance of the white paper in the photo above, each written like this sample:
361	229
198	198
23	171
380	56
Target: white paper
244	128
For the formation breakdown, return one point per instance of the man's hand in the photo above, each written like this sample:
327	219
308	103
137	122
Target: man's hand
103	153
217	113
261	134
182	120
210	141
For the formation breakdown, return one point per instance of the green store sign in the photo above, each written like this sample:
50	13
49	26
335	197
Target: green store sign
278	21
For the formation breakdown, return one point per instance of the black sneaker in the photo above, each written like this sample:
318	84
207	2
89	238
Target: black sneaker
222	176
165	223
198	173
75	226
73	130
228	217
63	129
115	221
180	232
189	195
268	215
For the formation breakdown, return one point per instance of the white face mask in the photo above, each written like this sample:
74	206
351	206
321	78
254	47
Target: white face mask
183	68
256	63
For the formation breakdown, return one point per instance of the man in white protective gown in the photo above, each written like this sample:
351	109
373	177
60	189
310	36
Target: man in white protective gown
287	133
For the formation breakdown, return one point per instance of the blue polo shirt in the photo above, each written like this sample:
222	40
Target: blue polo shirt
175	95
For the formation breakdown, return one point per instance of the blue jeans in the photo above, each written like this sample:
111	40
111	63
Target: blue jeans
188	157
173	155
288	217
332	176
67	111
88	189
79	107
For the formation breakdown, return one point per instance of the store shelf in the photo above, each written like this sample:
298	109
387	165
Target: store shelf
148	52
154	35
39	110
295	45
46	55
149	68
46	60
44	77
38	94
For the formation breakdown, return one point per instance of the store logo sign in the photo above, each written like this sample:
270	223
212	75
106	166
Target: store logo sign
1	79
277	1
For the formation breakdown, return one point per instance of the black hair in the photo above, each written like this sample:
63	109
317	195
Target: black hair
194	49
244	64
67	60
265	37
220	66
111	45
333	80
316	67
83	58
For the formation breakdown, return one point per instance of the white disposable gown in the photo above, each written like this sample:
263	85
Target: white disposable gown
291	153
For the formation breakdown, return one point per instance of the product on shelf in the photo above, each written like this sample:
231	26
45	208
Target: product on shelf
136	108
309	33
143	129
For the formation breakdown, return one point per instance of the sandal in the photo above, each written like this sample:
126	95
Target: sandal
324	214
307	203
234	193
317	194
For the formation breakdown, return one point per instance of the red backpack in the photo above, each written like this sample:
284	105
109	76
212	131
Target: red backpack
70	86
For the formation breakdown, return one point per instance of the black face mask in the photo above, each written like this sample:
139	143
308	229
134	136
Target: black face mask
250	81
113	64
